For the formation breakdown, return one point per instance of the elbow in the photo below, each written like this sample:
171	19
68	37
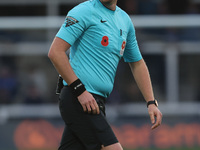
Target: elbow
50	54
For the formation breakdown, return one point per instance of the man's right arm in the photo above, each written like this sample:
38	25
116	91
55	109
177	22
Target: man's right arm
57	54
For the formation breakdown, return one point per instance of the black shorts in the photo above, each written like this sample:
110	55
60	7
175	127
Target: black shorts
83	131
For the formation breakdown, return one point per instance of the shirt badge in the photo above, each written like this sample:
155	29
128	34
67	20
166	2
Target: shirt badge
70	21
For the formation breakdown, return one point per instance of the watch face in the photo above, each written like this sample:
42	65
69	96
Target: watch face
156	103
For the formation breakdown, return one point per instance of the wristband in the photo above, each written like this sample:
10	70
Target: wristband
155	102
77	87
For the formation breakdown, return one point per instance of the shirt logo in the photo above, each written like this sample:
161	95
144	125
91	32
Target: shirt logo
123	48
70	21
105	41
103	21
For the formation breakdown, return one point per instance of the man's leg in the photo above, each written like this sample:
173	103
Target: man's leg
70	141
77	122
116	146
91	130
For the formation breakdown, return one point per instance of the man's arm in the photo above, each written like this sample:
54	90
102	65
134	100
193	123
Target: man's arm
57	54
142	78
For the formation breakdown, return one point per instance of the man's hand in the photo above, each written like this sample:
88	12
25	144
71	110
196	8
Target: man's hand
88	103
155	112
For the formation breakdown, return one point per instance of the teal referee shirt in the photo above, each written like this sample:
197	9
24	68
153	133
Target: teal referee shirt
99	37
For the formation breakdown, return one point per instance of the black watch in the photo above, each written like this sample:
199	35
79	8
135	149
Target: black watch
155	102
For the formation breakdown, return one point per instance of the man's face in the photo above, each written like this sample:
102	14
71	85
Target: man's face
107	1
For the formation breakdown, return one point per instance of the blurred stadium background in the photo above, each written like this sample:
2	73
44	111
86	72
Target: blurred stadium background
168	32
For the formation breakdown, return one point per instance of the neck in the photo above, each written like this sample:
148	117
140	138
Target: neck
110	4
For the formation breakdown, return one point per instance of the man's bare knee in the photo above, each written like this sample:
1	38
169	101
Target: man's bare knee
116	146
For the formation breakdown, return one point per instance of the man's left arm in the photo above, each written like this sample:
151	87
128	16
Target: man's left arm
142	78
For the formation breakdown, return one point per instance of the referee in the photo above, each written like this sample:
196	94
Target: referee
98	34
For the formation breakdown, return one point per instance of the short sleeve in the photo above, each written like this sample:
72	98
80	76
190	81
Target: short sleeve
132	52
76	22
